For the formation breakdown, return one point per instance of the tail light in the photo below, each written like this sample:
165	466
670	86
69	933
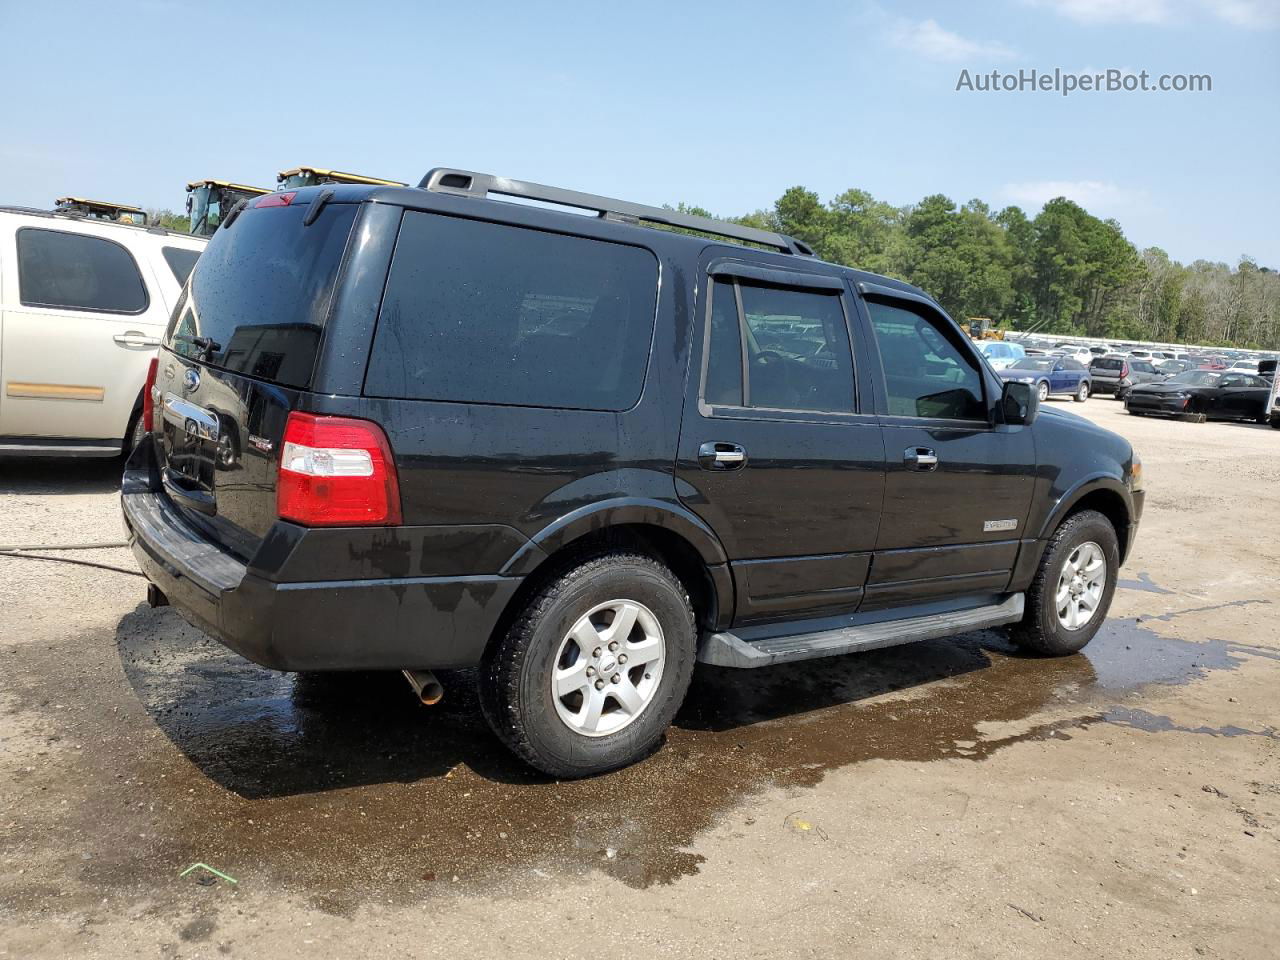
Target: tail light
1124	370
336	472
149	396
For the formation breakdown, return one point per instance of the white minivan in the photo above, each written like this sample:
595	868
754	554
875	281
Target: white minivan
83	304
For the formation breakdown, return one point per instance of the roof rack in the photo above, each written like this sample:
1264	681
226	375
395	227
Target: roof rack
467	183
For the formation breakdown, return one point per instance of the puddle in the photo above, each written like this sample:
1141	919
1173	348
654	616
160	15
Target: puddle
342	788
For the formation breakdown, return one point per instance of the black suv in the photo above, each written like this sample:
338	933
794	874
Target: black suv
429	428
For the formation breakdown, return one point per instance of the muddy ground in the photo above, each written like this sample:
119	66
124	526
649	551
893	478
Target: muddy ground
945	799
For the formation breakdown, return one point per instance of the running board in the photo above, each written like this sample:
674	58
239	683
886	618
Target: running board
729	650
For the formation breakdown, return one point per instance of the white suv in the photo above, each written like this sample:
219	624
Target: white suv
82	306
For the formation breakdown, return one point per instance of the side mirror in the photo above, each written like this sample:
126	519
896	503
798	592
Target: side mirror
1019	402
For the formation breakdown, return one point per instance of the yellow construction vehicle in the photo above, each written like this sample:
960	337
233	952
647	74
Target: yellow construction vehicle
312	176
208	201
982	328
101	210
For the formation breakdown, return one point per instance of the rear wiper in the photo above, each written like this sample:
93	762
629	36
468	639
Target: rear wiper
206	345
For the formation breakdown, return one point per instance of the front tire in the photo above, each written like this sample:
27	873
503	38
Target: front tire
1042	391
1071	593
573	689
1082	392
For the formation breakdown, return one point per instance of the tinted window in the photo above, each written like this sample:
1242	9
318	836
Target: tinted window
481	313
180	261
77	272
724	348
261	292
1069	364
1197	378
1143	367
1107	363
798	355
926	374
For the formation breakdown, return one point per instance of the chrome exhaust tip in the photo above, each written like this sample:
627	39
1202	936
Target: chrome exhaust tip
425	685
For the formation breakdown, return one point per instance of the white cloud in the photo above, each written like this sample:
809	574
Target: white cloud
1240	13
1246	13
1099	197
933	42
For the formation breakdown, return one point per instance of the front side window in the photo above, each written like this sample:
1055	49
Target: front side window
480	312
787	349
77	272
926	374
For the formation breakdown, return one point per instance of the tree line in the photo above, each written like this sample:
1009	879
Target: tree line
1065	271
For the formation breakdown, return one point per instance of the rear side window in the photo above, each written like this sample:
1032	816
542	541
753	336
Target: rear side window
261	290
180	261
926	374
484	313
77	272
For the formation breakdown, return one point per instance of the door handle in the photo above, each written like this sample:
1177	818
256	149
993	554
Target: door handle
135	338
920	458
718	455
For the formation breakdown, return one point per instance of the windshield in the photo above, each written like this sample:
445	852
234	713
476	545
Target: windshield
1196	378
1034	363
304	179
198	208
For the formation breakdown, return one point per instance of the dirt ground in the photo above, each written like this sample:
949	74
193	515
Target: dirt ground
939	800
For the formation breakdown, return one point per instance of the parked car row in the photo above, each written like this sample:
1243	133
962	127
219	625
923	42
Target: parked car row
1207	395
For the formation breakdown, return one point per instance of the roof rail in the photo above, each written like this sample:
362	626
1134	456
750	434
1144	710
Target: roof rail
467	183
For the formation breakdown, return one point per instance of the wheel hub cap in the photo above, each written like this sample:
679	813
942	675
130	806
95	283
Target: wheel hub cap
608	668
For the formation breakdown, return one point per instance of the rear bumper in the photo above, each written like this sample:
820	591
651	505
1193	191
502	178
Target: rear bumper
1104	387
366	624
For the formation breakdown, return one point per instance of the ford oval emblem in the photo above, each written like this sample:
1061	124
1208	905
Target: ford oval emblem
191	379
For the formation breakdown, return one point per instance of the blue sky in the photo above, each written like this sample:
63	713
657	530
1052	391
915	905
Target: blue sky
721	105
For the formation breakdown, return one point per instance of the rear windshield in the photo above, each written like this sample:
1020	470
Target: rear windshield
260	292
484	313
1107	363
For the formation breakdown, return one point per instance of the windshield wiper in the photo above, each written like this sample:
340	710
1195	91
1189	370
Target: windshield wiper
206	345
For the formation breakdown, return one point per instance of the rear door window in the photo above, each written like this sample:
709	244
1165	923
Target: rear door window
479	312
791	347
260	292
78	272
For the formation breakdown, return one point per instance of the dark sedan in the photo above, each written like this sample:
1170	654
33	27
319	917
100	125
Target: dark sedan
1204	394
1051	374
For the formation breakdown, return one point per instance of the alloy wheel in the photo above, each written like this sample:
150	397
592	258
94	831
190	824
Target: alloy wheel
1081	584
608	668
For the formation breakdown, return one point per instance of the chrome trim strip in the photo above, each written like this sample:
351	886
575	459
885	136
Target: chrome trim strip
184	415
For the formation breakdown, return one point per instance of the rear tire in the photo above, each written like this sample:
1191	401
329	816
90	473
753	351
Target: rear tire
540	654
1275	422
133	436
1082	392
1046	628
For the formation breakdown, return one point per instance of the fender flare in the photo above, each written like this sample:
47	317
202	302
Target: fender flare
1080	489
614	512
